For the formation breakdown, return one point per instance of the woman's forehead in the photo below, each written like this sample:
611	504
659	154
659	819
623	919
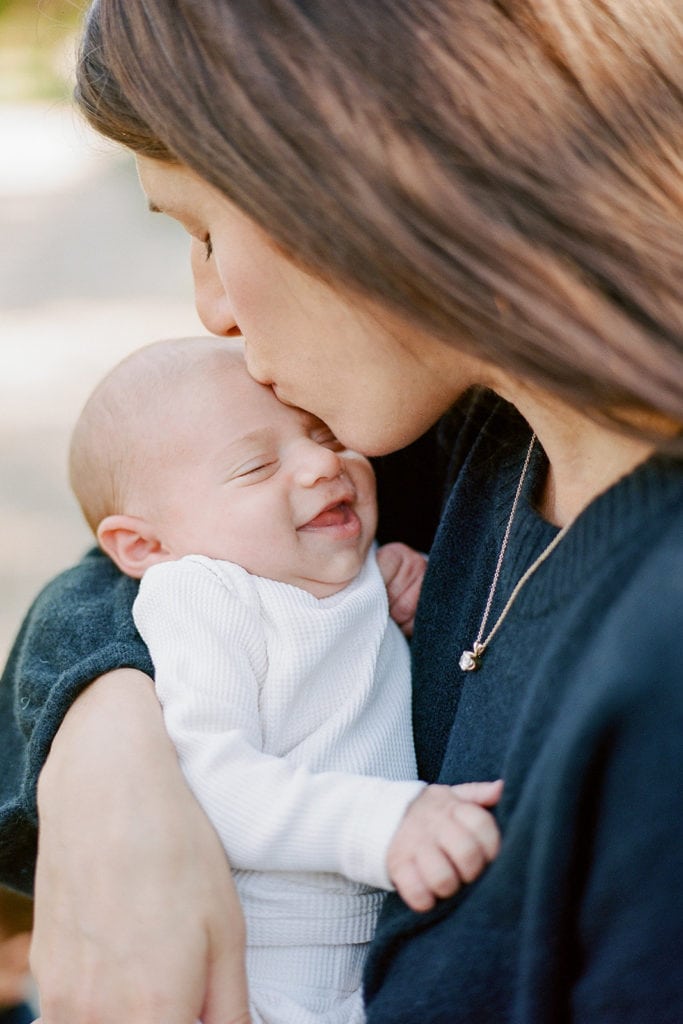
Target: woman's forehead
173	189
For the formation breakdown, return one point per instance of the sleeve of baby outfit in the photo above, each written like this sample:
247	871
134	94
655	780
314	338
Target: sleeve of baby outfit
79	628
210	660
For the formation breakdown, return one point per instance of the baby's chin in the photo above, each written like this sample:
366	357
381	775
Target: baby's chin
336	580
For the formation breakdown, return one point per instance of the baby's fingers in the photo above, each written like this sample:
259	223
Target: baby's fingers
477	833
438	871
428	875
438	868
412	888
487	794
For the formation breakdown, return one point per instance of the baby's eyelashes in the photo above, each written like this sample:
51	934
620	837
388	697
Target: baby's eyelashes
257	469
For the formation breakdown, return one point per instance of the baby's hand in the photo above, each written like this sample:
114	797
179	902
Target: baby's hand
402	569
446	838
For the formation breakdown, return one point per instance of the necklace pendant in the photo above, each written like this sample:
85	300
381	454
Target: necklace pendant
471	660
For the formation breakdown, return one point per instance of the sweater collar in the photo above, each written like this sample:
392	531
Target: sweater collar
631	513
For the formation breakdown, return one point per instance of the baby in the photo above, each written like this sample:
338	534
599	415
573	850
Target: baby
284	682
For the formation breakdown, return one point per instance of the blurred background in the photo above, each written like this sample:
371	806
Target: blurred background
86	275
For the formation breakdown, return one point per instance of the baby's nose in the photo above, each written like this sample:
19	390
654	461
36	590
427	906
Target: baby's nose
316	462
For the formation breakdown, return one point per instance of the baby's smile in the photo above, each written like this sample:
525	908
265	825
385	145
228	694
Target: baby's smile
340	518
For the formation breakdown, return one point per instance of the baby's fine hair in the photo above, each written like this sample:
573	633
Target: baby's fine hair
121	434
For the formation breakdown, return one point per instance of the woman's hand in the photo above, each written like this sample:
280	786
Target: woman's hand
13	969
16	917
136	916
402	570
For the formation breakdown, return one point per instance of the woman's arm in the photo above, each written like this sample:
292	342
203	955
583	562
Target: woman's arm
134	899
79	628
16	921
136	918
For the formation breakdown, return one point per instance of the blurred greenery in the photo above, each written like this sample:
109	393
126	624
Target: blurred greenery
37	48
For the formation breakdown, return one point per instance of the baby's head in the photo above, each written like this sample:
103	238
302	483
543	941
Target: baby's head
179	451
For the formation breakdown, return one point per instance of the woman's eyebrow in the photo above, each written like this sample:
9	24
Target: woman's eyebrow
152	207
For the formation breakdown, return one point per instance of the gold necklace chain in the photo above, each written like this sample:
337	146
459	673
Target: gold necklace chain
471	660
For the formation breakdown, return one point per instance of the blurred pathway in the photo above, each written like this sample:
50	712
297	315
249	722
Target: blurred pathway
86	275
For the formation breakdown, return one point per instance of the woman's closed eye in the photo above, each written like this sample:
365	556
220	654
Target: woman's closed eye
326	438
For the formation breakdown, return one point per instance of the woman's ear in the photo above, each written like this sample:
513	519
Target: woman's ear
132	544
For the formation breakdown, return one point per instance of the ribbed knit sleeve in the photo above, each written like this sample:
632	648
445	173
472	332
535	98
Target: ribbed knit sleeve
79	628
208	642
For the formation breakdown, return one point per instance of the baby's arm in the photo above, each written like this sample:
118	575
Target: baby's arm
402	570
446	838
271	814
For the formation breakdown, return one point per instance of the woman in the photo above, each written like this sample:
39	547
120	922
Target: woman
396	203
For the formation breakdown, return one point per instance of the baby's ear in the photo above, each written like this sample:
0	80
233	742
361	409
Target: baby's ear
131	543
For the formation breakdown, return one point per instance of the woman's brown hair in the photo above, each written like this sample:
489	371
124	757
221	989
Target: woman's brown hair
507	173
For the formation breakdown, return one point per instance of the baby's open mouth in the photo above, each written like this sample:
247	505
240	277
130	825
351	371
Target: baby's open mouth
335	515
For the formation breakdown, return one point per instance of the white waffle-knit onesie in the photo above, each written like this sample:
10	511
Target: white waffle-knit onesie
291	718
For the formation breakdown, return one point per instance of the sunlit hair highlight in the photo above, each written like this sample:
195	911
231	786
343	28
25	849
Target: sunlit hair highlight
506	174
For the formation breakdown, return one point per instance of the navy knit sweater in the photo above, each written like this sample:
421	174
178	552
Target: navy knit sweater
578	706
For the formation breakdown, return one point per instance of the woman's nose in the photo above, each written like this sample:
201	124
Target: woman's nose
315	462
211	300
